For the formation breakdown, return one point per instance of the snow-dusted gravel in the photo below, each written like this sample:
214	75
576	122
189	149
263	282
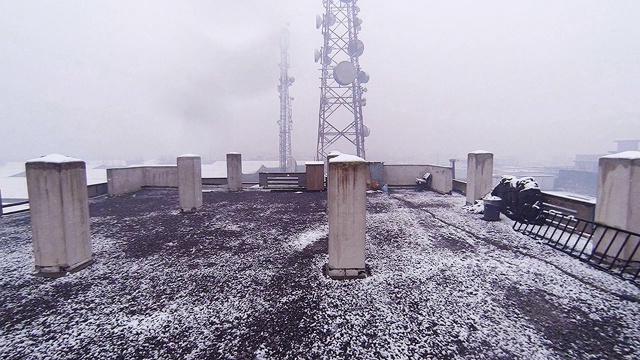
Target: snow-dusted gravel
242	279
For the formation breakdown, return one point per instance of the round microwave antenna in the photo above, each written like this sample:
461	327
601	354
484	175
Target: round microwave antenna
318	21
317	55
344	73
330	20
363	77
355	48
366	131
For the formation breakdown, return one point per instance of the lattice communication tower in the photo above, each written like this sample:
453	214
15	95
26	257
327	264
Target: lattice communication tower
341	89
287	164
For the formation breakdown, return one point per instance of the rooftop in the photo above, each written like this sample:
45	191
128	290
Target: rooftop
242	278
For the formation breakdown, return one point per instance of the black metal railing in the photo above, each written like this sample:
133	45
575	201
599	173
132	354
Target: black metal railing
11	205
605	247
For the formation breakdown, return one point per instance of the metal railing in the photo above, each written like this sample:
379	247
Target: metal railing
282	180
19	203
605	247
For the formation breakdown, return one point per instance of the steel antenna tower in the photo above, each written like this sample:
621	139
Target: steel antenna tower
341	89
287	164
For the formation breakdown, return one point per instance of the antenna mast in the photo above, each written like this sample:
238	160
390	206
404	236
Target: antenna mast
341	101
287	164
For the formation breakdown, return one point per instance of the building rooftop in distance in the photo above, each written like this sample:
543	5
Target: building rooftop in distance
242	279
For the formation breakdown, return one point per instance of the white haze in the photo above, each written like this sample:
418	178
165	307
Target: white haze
543	80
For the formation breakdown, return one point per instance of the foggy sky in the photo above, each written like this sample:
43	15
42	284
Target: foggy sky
149	79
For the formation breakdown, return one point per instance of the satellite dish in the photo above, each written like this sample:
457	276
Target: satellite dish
366	131
363	101
363	77
292	80
344	73
355	48
318	21
317	55
330	20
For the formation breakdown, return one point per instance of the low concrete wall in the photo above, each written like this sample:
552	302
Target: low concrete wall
94	190
163	176
459	186
405	175
127	180
581	208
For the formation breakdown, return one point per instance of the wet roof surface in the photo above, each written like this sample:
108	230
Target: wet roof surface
242	279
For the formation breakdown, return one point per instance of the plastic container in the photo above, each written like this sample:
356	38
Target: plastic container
492	209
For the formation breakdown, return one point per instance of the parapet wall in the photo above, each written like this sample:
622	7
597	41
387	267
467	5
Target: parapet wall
127	180
406	175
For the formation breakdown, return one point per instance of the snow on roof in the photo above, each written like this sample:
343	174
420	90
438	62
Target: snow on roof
314	163
629	155
345	158
54	158
480	152
189	155
443	284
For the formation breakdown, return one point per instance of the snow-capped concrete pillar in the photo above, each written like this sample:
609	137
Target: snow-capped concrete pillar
59	208
234	171
189	182
315	175
479	175
618	203
346	192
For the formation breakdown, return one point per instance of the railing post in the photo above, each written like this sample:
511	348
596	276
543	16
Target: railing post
57	187
189	182
618	201
347	190
479	175
234	171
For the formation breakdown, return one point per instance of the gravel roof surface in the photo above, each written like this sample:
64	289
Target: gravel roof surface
242	279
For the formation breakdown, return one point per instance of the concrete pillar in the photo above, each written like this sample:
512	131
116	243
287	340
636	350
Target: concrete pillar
234	172
346	192
618	203
59	208
479	175
189	182
315	175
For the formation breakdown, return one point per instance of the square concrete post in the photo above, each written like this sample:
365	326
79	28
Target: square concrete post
189	182
59	208
347	205
315	175
234	172
618	203
479	175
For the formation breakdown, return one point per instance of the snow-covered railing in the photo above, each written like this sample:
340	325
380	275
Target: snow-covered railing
605	247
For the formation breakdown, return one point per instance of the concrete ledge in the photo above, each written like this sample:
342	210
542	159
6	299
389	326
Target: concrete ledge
131	179
406	175
345	274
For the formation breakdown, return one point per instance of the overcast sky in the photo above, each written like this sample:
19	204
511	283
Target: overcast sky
150	79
